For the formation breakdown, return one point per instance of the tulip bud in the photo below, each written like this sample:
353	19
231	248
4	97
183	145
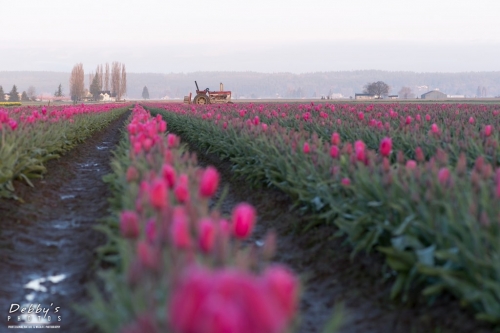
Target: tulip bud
169	175
180	234
206	235
209	182
243	220
158	194
129	224
335	139
385	147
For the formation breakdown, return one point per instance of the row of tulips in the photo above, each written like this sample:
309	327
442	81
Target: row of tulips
29	136
181	266
436	221
454	128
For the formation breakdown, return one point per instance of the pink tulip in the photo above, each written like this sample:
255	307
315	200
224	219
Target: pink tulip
209	182
471	120
158	194
181	237
306	148
129	224
361	116
284	287
443	176
488	130
132	174
334	151
408	120
419	154
427	117
385	147
12	124
169	175
148	257
345	182
411	164
434	128
206	235
243	220
151	230
172	140
335	139
181	191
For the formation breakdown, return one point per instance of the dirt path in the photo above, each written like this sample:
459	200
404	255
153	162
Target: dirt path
331	278
47	243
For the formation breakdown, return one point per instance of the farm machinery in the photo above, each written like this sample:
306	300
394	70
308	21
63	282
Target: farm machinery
209	97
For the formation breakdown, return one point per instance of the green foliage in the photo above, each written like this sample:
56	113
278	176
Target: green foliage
2	95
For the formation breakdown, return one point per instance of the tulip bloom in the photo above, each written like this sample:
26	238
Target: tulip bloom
443	176
488	130
306	148
434	128
334	151
158	194
181	237
335	139
169	176
206	235
243	220
129	224
345	181
385	147
209	182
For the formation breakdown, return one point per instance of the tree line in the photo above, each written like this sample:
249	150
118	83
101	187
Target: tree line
106	79
29	95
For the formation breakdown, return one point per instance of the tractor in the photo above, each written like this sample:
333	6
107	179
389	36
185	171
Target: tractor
208	97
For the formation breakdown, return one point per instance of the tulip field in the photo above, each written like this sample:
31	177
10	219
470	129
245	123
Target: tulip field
32	136
416	185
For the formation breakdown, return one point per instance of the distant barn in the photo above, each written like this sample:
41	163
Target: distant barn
434	95
364	96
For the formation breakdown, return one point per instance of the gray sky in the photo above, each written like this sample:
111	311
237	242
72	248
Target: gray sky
257	35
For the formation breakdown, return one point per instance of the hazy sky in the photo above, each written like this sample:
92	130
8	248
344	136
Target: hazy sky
258	35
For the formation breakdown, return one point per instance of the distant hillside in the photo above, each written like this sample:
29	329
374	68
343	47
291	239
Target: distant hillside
269	85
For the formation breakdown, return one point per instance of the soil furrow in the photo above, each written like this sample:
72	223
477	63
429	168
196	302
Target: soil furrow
47	243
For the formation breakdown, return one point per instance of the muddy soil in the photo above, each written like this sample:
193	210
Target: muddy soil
47	243
330	278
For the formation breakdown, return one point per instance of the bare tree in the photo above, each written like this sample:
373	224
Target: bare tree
76	82
101	76
378	88
115	79
123	83
406	93
106	78
31	93
91	78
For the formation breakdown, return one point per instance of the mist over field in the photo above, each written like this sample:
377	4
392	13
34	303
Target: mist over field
271	85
